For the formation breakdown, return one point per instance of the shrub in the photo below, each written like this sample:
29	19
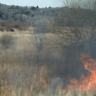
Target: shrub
6	41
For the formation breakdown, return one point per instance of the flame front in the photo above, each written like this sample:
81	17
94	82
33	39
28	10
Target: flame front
44	83
86	83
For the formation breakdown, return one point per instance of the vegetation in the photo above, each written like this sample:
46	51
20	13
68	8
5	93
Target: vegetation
44	62
80	28
6	41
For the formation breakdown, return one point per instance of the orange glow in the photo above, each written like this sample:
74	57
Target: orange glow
44	83
86	83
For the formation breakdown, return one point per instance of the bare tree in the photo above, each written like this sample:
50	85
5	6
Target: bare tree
79	28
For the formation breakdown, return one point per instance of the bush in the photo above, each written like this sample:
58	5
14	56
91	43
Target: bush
6	41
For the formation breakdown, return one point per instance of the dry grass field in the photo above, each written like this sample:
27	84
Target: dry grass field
23	64
36	65
48	51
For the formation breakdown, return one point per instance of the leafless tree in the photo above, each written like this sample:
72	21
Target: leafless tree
79	28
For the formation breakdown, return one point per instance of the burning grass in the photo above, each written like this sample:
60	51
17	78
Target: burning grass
40	86
86	84
21	75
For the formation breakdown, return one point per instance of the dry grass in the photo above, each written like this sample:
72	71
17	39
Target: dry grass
20	73
20	76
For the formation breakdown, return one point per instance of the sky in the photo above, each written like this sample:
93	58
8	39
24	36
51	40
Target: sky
40	3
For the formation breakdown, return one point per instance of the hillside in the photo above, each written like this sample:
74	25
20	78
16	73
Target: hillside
24	17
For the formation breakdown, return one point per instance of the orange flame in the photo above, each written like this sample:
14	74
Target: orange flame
44	83
86	83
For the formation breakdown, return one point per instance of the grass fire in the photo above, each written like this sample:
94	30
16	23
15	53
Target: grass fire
48	51
88	83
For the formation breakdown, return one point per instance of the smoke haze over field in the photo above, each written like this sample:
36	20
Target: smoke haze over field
40	3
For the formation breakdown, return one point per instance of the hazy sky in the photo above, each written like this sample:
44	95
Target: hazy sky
40	3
